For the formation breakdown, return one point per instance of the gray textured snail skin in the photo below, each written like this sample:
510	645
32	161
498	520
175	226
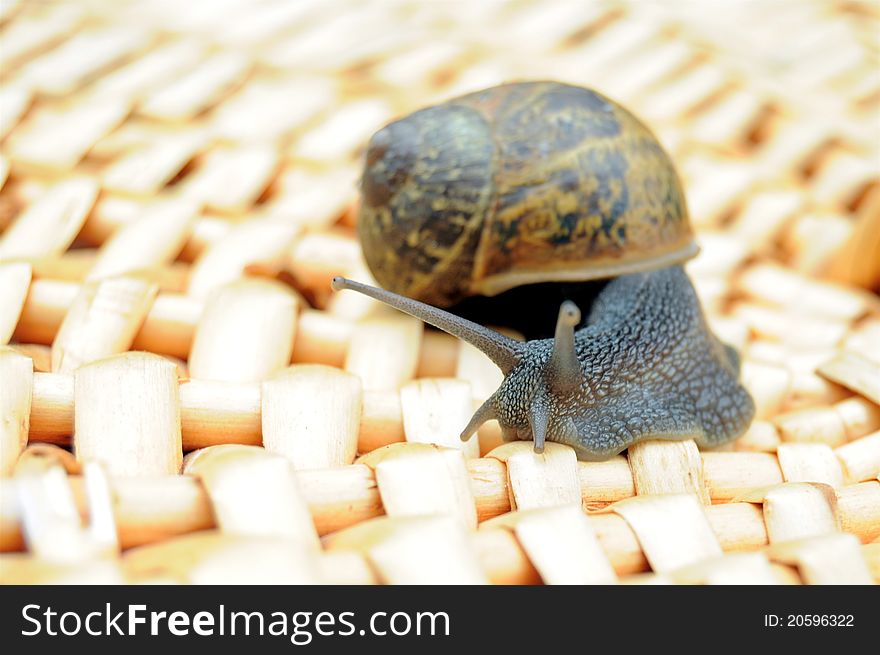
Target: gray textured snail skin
644	366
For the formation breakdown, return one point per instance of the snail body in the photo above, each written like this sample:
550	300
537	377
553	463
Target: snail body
644	366
541	182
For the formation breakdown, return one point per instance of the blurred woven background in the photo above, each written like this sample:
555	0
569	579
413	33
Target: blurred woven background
180	178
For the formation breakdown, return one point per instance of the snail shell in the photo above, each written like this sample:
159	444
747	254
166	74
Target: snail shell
518	184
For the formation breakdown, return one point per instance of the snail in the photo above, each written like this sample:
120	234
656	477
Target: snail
536	183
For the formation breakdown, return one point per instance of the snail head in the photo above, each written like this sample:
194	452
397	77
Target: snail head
538	379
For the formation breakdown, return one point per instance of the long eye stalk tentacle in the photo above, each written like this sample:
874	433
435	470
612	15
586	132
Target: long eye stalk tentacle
505	352
485	413
563	372
539	419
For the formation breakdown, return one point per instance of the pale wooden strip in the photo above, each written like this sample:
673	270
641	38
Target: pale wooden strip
317	46
613	42
814	239
768	385
253	492
343	131
842	176
214	557
421	63
319	256
51	520
355	307
863	339
855	372
17	374
311	415
809	390
66	68
829	559
809	462
25	568
101	527
721	253
128	414
546	26
860	459
72	265
858	260
605	482
435	411
144	171
49	225
414	550
128	137
535	480
14	101
265	110
684	93
792	143
381	422
47	140
561	544
29	34
781	286
729	120
52	406
152	240
764	215
4	169
170	325
439	355
314	200
475	367
147	72
197	90
346	567
254	28
645	69
673	530
226	259
859	415
15	279
667	467
109	214
168	328
731	569
219	412
798	331
245	333
321	338
102	321
40	457
383	351
798	510
815	424
728	475
761	436
421	479
231	179
155	508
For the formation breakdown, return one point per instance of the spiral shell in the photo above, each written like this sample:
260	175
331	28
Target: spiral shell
518	184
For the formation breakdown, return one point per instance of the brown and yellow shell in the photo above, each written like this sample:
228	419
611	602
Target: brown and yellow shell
517	184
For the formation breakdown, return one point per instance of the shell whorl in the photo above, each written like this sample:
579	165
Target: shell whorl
517	184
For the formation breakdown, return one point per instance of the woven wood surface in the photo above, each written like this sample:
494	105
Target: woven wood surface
184	399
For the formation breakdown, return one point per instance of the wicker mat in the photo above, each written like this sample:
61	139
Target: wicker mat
184	398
